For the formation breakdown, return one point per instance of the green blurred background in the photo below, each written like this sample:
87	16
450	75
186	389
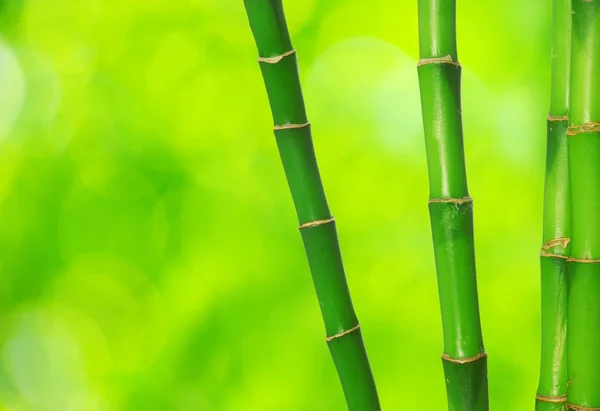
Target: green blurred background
149	255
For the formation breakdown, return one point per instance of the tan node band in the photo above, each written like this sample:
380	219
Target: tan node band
552	255
578	408
317	223
555	400
582	260
451	200
461	361
563	242
438	60
591	127
341	334
276	59
558	118
290	126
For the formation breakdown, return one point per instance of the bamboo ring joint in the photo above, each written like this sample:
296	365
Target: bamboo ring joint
591	127
276	59
557	118
554	400
585	261
290	126
438	60
341	334
573	407
563	242
552	255
461	361
317	223
462	200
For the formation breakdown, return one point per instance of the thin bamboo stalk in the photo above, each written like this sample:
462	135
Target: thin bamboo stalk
583	279
552	388
293	134
451	208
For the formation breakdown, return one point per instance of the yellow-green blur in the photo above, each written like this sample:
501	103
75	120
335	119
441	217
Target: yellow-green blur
149	251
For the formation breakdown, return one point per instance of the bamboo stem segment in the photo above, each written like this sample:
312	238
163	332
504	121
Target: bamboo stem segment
450	207
552	387
279	67
583	316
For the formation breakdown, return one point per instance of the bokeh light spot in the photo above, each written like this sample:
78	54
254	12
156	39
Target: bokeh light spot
12	86
365	81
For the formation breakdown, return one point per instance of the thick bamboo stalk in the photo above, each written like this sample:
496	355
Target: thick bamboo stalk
293	134
552	388
583	266
451	208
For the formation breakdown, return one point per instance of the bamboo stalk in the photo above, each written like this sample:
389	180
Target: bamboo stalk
552	388
293	135
451	208
583	279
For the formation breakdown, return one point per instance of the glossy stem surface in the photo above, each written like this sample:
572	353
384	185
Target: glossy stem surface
552	388
583	266
450	208
293	134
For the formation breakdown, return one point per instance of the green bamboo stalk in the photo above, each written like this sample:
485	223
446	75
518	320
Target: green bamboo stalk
451	208
583	279
292	131
552	388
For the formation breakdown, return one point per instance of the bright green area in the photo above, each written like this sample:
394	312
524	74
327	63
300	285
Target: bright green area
149	251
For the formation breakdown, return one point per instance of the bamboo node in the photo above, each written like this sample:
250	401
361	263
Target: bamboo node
574	407
552	255
552	399
557	118
276	59
317	223
462	200
341	334
438	60
582	260
591	127
563	242
290	126
462	361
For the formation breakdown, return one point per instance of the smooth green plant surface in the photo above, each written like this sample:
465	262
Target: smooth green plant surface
583	266
149	254
451	208
292	130
552	388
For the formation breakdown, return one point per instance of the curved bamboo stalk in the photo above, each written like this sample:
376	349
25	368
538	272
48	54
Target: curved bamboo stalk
583	316
552	388
451	208
293	134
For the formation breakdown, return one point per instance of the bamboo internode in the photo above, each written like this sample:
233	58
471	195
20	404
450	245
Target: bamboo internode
572	407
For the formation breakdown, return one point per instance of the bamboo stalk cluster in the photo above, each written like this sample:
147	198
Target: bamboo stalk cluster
570	363
570	273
